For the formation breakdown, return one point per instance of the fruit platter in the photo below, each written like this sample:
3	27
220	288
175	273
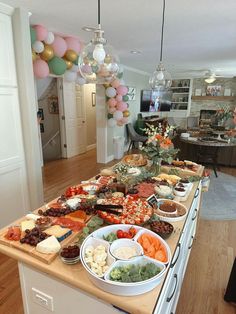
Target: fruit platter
125	259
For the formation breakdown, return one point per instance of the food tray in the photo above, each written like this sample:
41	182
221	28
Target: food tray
120	288
180	207
184	198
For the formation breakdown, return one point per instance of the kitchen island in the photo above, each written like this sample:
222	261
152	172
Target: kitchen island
62	288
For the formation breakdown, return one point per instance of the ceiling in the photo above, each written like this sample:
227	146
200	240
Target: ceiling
198	35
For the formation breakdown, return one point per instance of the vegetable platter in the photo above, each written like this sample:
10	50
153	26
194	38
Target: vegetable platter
134	275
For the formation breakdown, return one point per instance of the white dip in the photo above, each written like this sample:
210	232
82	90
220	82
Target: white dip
125	252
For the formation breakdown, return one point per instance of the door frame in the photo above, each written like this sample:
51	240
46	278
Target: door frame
62	117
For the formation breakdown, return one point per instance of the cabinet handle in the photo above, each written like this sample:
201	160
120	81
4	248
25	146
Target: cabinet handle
196	193
173	264
190	246
194	217
172	294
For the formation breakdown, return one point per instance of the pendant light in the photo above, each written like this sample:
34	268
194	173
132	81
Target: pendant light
161	79
98	62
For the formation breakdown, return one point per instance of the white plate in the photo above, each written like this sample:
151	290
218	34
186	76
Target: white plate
172	219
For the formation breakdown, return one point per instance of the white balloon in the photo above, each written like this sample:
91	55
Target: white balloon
74	68
38	46
111	122
50	38
117	115
110	92
80	80
70	76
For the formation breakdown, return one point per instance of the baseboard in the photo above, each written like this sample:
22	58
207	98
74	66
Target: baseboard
90	147
109	158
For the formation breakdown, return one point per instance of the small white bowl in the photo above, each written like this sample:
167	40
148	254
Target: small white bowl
125	243
185	135
180	193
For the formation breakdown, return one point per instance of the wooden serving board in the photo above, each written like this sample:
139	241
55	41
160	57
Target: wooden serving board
183	173
31	250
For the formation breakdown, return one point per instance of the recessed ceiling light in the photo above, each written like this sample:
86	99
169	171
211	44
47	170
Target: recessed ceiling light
134	52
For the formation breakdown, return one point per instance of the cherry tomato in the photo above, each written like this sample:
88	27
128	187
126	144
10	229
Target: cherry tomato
127	235
132	231
120	234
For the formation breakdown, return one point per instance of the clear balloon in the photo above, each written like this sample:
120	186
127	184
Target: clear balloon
41	69
118	115
38	46
110	92
49	39
41	32
59	46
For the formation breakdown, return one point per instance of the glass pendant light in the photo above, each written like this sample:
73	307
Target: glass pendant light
161	79
98	62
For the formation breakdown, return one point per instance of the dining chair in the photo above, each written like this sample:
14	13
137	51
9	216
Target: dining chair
134	136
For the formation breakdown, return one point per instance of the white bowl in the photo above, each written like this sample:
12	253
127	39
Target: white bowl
91	241
185	135
180	193
172	219
125	243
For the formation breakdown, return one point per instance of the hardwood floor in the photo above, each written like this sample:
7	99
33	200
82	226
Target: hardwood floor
209	265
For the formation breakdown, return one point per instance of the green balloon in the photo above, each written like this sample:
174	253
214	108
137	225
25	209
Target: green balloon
57	66
32	35
125	98
120	75
109	115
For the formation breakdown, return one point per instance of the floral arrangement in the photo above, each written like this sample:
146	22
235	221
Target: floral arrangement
159	145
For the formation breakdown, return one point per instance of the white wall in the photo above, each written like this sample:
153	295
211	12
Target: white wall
88	89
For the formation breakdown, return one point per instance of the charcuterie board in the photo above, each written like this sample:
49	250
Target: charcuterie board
31	250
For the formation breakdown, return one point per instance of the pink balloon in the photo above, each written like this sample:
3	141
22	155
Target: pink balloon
125	120
120	122
41	69
41	32
119	97
112	102
115	83
122	90
111	110
73	44
121	106
59	46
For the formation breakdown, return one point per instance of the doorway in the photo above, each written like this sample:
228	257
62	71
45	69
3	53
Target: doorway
49	118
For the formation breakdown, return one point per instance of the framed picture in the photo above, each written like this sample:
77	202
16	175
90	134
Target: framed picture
213	90
40	114
131	93
53	105
93	99
41	128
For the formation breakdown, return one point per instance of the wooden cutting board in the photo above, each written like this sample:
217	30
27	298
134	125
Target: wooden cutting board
183	173
31	250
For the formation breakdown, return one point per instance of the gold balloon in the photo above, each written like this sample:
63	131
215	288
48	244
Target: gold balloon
34	55
69	64
108	59
126	113
106	85
71	55
48	53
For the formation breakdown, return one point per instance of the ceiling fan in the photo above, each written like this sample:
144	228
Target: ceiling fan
210	76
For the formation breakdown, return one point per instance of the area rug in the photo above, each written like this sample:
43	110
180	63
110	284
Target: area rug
219	203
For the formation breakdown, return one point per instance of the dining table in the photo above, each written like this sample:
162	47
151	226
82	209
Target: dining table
207	149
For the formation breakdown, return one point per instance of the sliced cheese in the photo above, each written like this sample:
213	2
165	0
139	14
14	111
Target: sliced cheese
27	224
59	232
49	245
32	217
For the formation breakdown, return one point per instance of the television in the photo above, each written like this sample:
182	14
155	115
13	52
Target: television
154	101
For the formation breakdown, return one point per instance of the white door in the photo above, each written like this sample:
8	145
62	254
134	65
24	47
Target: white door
74	115
13	179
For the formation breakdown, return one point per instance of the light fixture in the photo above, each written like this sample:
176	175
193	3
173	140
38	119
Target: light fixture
211	77
98	62
161	79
